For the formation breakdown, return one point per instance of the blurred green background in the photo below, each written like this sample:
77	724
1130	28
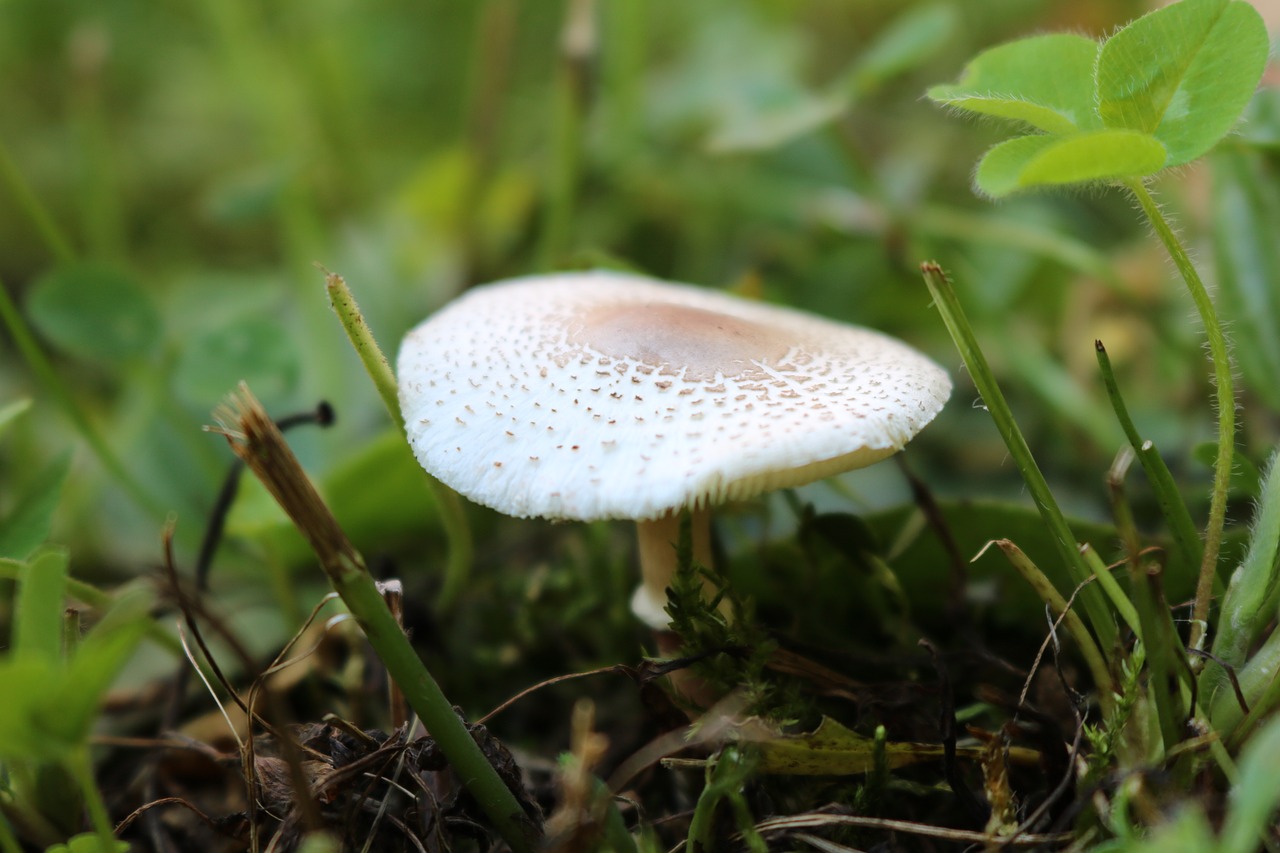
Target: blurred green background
171	172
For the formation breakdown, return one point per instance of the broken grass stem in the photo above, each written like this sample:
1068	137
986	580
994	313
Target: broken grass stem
254	437
1049	594
453	517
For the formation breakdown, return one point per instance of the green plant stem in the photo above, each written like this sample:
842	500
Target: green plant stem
453	515
948	304
1119	600
81	766
362	597
1226	404
255	438
362	340
52	382
1172	507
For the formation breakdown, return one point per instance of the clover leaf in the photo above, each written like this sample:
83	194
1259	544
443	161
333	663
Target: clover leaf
1160	92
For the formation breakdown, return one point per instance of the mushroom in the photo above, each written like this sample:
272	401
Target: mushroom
602	395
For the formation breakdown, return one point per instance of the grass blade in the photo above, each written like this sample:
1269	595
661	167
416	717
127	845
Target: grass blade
1119	599
1070	620
948	304
1185	537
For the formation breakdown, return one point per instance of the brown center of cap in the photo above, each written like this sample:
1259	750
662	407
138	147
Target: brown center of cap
675	338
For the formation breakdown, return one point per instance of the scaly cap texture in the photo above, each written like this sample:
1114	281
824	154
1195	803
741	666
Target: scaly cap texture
607	395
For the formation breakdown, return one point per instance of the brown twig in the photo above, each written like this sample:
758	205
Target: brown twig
957	604
622	669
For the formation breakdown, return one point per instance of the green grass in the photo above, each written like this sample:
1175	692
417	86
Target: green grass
171	175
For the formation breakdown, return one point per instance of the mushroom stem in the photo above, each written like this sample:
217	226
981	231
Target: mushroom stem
658	561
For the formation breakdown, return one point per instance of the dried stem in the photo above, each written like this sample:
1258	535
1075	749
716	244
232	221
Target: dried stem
255	438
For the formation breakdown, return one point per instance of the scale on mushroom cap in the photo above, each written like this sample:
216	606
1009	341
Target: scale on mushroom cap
607	395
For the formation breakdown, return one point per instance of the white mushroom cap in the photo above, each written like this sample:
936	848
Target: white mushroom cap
606	395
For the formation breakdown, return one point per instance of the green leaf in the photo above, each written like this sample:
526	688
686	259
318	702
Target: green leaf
1254	796
10	412
1183	73
249	195
1000	169
1251	598
88	842
249	348
1261	123
1246	208
94	312
49	709
914	36
834	750
37	630
1033	161
790	117
26	680
782	114
1044	81
71	703
1248	607
28	525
